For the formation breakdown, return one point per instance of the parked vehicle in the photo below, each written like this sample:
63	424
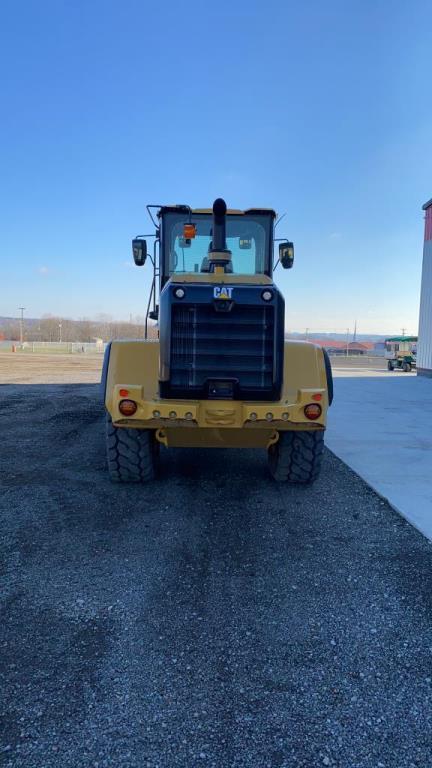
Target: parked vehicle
221	373
401	353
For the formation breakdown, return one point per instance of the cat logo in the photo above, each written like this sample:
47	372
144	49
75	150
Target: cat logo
223	292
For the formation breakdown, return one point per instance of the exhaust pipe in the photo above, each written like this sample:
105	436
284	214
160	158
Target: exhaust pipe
219	225
219	256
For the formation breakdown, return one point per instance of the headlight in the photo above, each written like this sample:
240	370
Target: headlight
267	295
179	293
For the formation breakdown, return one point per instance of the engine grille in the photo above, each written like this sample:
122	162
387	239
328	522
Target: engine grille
207	344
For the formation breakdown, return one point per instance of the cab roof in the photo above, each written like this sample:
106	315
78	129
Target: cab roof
230	211
403	338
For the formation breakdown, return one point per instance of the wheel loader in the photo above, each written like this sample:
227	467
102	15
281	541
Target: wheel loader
221	373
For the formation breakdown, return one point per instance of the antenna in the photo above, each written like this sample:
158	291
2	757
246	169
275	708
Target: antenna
279	219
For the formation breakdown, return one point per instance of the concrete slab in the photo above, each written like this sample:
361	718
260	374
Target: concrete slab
382	428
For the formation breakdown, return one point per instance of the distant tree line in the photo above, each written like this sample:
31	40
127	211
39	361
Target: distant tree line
53	328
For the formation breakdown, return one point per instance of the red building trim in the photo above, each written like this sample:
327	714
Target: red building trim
428	224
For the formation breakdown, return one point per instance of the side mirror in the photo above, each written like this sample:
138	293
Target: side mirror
286	254
139	250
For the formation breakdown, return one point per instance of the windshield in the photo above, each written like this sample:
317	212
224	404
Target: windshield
248	237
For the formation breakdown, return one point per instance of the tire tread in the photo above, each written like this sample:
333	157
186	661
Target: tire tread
296	457
130	454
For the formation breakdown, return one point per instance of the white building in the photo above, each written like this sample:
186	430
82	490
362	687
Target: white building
424	350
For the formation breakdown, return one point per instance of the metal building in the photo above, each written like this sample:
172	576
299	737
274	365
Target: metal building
424	351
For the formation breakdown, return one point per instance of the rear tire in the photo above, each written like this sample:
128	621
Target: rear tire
296	457
131	453
406	367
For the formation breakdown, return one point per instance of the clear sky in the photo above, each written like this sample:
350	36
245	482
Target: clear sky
321	110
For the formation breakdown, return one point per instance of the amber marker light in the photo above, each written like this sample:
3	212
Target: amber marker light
127	407
312	411
189	231
123	392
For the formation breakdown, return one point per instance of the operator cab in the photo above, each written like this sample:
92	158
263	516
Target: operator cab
189	243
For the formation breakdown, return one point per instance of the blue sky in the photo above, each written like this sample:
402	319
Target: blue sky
320	110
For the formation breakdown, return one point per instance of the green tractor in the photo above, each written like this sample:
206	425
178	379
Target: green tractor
401	353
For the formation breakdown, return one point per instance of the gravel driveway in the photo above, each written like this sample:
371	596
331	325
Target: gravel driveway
211	618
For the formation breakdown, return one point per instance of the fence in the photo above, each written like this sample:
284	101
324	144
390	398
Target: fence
65	347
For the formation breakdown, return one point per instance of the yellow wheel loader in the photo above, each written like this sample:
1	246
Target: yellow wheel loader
220	374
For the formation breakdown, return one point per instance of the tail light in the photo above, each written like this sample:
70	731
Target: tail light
312	411
127	407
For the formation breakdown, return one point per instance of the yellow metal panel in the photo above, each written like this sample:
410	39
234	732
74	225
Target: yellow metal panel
217	438
134	366
235	211
225	277
230	211
304	369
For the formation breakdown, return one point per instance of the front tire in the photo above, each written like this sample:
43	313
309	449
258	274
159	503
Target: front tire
406	367
390	366
296	457
131	453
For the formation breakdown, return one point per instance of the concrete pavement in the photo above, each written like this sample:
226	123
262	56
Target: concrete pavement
381	426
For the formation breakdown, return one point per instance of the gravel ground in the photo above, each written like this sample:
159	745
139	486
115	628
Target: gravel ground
211	618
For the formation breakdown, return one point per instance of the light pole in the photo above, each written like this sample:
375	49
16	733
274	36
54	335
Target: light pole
306	334
347	330
21	325
60	327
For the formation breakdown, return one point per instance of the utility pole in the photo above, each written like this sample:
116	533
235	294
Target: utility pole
403	331
60	327
21	325
347	330
355	331
306	334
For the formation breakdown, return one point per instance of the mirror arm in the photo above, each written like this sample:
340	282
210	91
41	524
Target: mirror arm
154	274
149	207
279	240
148	310
153	288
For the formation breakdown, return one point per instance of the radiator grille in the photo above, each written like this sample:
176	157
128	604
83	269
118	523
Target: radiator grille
207	344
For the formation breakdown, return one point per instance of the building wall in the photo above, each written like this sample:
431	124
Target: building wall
424	352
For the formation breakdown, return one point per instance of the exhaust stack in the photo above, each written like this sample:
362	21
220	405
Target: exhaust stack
219	255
